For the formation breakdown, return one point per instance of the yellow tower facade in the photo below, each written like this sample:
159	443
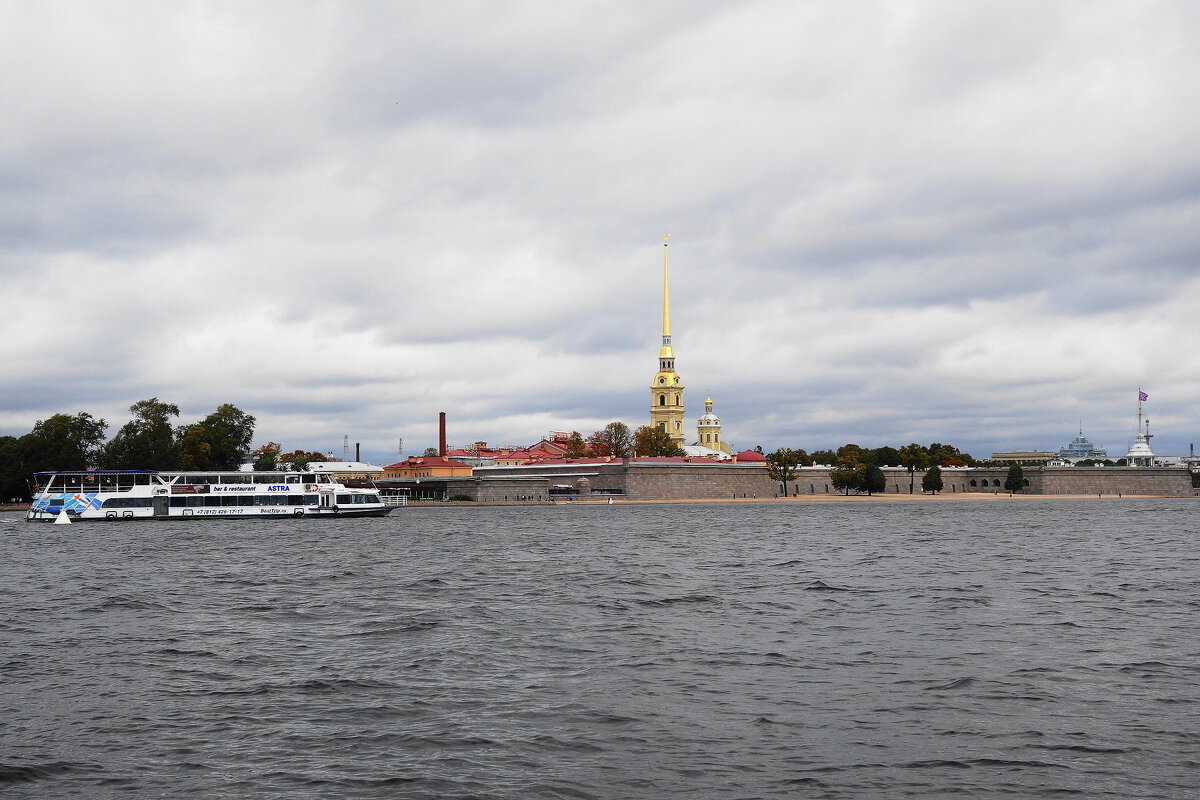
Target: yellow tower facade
666	389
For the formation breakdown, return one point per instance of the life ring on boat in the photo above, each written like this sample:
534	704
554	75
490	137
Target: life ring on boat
299	512
336	510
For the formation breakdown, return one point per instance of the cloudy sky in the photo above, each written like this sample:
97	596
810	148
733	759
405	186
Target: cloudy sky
973	222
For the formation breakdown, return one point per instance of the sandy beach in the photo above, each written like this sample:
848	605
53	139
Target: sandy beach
875	498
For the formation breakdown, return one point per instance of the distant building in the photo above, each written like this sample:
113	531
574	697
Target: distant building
1140	454
345	469
427	467
1080	449
1026	456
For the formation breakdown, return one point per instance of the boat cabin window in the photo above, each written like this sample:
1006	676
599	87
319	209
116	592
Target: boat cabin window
97	481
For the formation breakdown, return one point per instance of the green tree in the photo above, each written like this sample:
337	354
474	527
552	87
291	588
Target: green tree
651	440
576	446
783	465
872	480
64	442
1015	480
823	456
848	470
932	480
430	452
614	439
266	457
886	456
148	441
846	477
217	442
946	455
913	457
13	474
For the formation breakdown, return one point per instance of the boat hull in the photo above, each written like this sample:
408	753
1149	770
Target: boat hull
122	495
204	513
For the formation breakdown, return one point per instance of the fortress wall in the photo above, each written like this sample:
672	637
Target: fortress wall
499	490
681	482
697	481
718	481
1115	480
1089	480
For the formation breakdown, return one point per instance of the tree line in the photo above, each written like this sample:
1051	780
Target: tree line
859	469
617	440
150	440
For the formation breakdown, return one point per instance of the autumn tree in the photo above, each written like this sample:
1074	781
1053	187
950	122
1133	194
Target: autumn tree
300	459
946	455
614	439
651	440
853	453
266	458
576	446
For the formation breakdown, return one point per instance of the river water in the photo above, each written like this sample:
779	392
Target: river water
1029	648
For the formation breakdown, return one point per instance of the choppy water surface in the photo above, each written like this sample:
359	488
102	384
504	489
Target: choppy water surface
1034	648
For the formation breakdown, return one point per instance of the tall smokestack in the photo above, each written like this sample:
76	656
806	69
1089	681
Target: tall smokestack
442	433
358	452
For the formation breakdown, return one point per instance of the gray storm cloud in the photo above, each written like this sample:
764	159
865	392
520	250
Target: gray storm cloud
973	223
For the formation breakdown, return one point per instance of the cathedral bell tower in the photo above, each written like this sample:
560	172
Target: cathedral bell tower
666	389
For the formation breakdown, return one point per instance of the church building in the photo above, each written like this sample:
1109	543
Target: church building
666	388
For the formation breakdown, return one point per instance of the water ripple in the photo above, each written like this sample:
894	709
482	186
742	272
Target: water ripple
1035	650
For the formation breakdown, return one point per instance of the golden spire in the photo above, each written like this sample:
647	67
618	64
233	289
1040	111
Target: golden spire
666	294
666	354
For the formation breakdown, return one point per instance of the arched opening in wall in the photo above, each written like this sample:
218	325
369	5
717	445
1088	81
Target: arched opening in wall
1026	481
812	489
996	482
662	399
676	399
973	483
662	426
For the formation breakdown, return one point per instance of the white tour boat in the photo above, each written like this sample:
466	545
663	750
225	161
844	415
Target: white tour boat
149	494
